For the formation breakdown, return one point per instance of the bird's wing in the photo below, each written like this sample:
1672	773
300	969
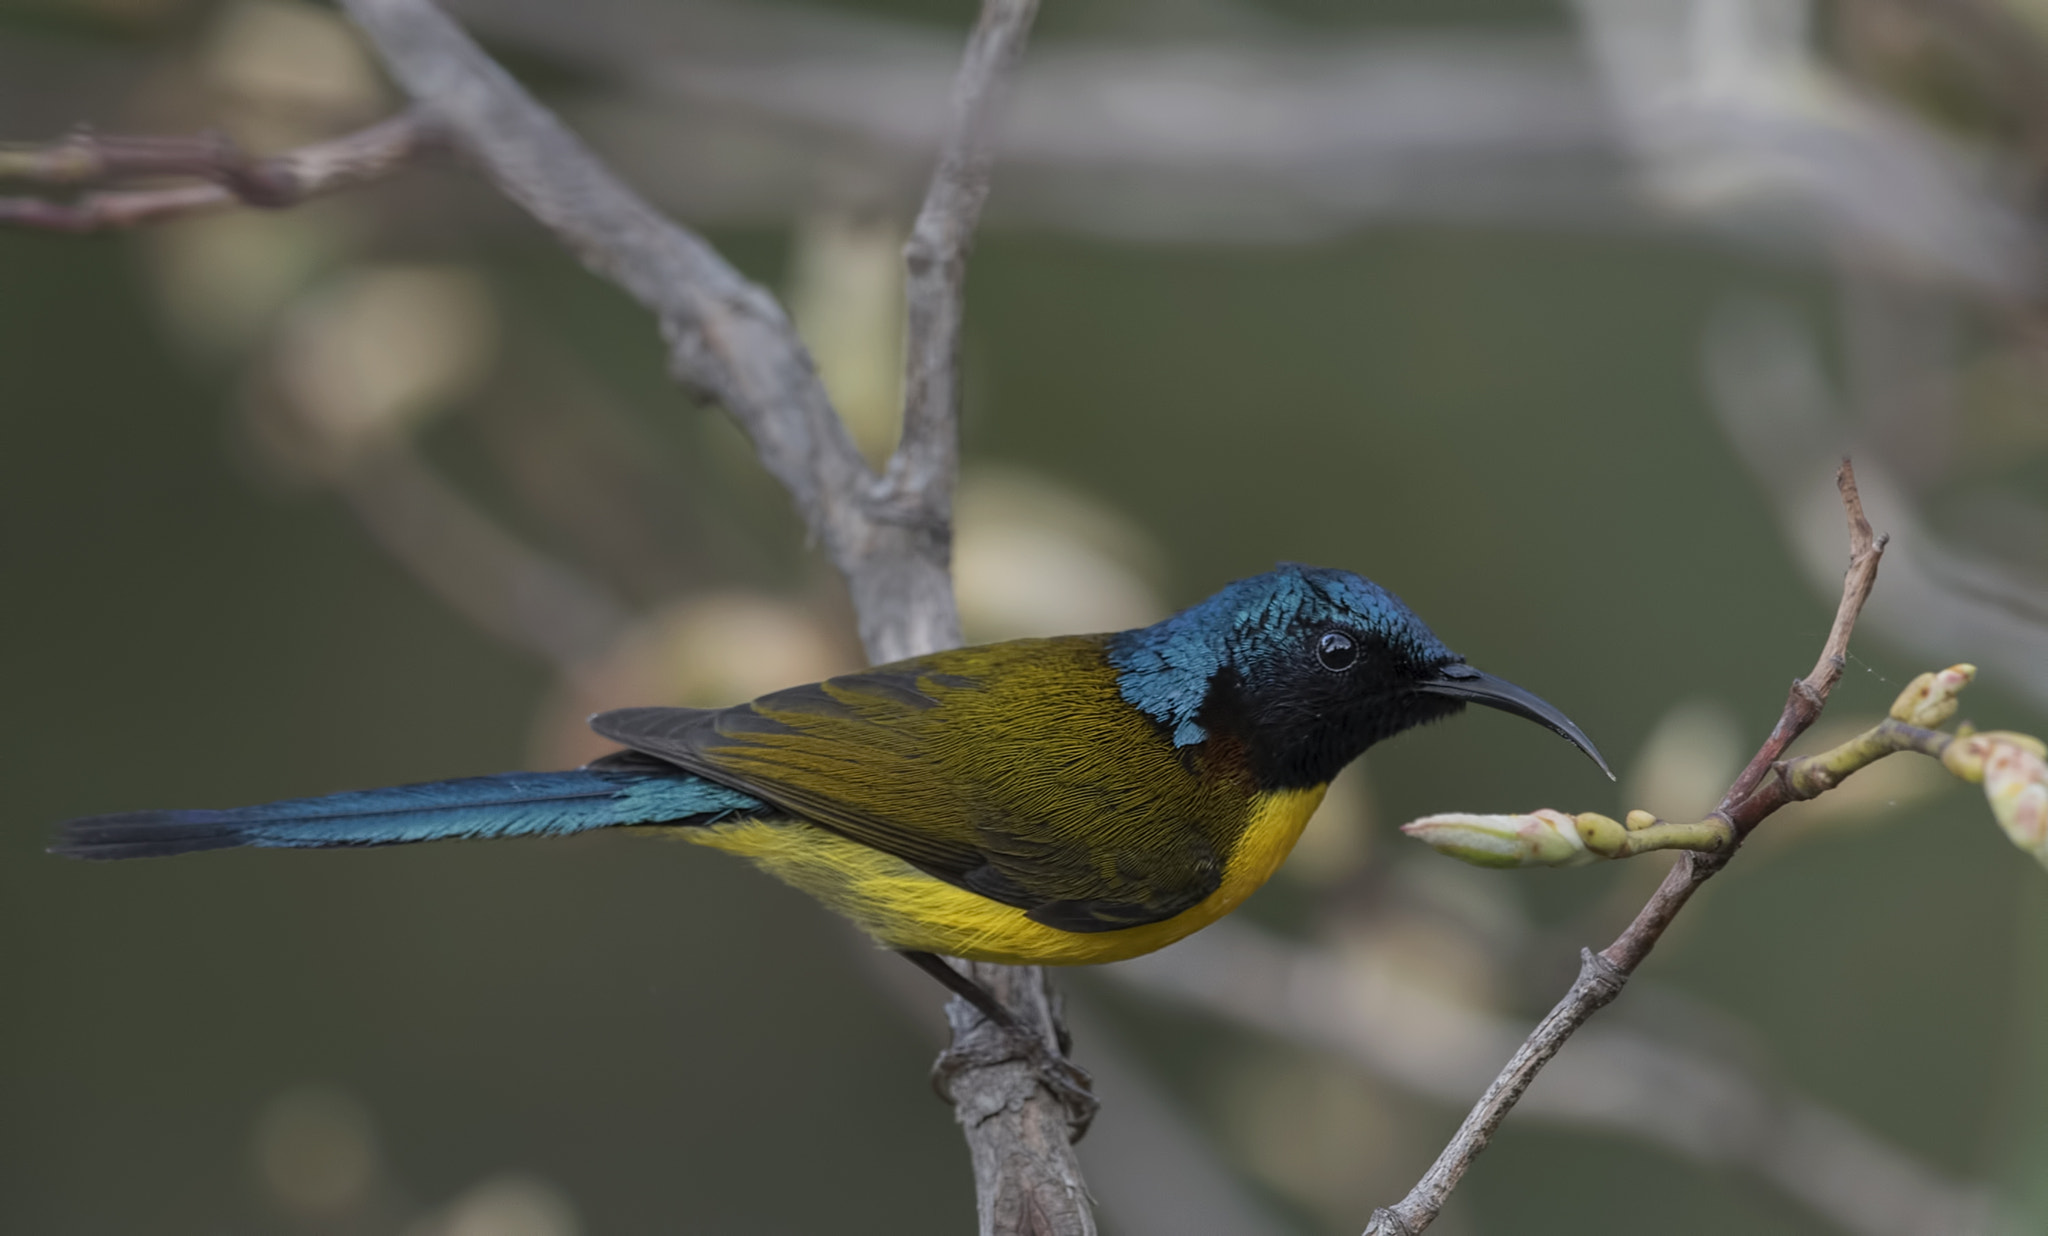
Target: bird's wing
1013	770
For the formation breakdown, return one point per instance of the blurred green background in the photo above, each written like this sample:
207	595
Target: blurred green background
236	568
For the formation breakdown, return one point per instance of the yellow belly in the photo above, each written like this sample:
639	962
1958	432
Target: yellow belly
904	908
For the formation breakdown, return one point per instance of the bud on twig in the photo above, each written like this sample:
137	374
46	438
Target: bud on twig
1930	699
2012	767
2016	782
1539	839
1969	752
1553	839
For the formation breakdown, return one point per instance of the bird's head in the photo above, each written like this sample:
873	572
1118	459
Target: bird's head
1307	667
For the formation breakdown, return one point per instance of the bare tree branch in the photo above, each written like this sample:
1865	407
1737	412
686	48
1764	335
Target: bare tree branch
1603	974
1152	1172
1020	1137
1698	1104
890	536
1020	1133
1784	413
1802	707
728	339
936	255
230	177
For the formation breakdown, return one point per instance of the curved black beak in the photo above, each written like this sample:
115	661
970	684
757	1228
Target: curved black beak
1462	682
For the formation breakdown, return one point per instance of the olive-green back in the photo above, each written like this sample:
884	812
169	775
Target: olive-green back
1015	770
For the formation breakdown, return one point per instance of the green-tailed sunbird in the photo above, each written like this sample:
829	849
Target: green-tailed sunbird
1063	801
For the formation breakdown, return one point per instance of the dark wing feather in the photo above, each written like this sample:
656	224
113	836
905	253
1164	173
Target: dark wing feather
696	739
1013	770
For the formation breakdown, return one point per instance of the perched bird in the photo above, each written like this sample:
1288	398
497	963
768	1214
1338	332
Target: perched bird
1081	799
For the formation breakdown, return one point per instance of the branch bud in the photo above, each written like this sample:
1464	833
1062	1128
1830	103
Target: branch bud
1930	699
1602	836
1967	754
2016	782
1539	839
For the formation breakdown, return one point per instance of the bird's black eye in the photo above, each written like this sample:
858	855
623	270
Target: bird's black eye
1336	650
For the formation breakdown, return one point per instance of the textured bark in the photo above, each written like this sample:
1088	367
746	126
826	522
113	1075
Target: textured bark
889	535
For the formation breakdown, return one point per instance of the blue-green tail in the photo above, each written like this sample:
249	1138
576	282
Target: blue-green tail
624	789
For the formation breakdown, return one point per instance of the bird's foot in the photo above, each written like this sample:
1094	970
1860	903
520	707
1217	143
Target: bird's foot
999	1036
992	1043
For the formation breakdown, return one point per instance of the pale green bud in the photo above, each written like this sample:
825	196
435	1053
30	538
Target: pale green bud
2016	782
1601	835
1538	839
1930	699
1966	755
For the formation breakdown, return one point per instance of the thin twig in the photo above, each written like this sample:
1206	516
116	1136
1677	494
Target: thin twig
728	338
936	256
1808	694
889	536
1603	974
229	177
1020	1133
1701	1105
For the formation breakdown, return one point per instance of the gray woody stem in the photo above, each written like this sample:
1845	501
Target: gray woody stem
1602	974
929	457
1599	982
891	536
727	337
1019	1136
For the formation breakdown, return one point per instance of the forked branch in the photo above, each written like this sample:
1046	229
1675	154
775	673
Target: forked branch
1602	975
890	535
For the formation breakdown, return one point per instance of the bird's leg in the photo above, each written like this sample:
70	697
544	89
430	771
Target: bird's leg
1068	1081
967	989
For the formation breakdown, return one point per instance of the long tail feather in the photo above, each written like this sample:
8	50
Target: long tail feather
615	791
